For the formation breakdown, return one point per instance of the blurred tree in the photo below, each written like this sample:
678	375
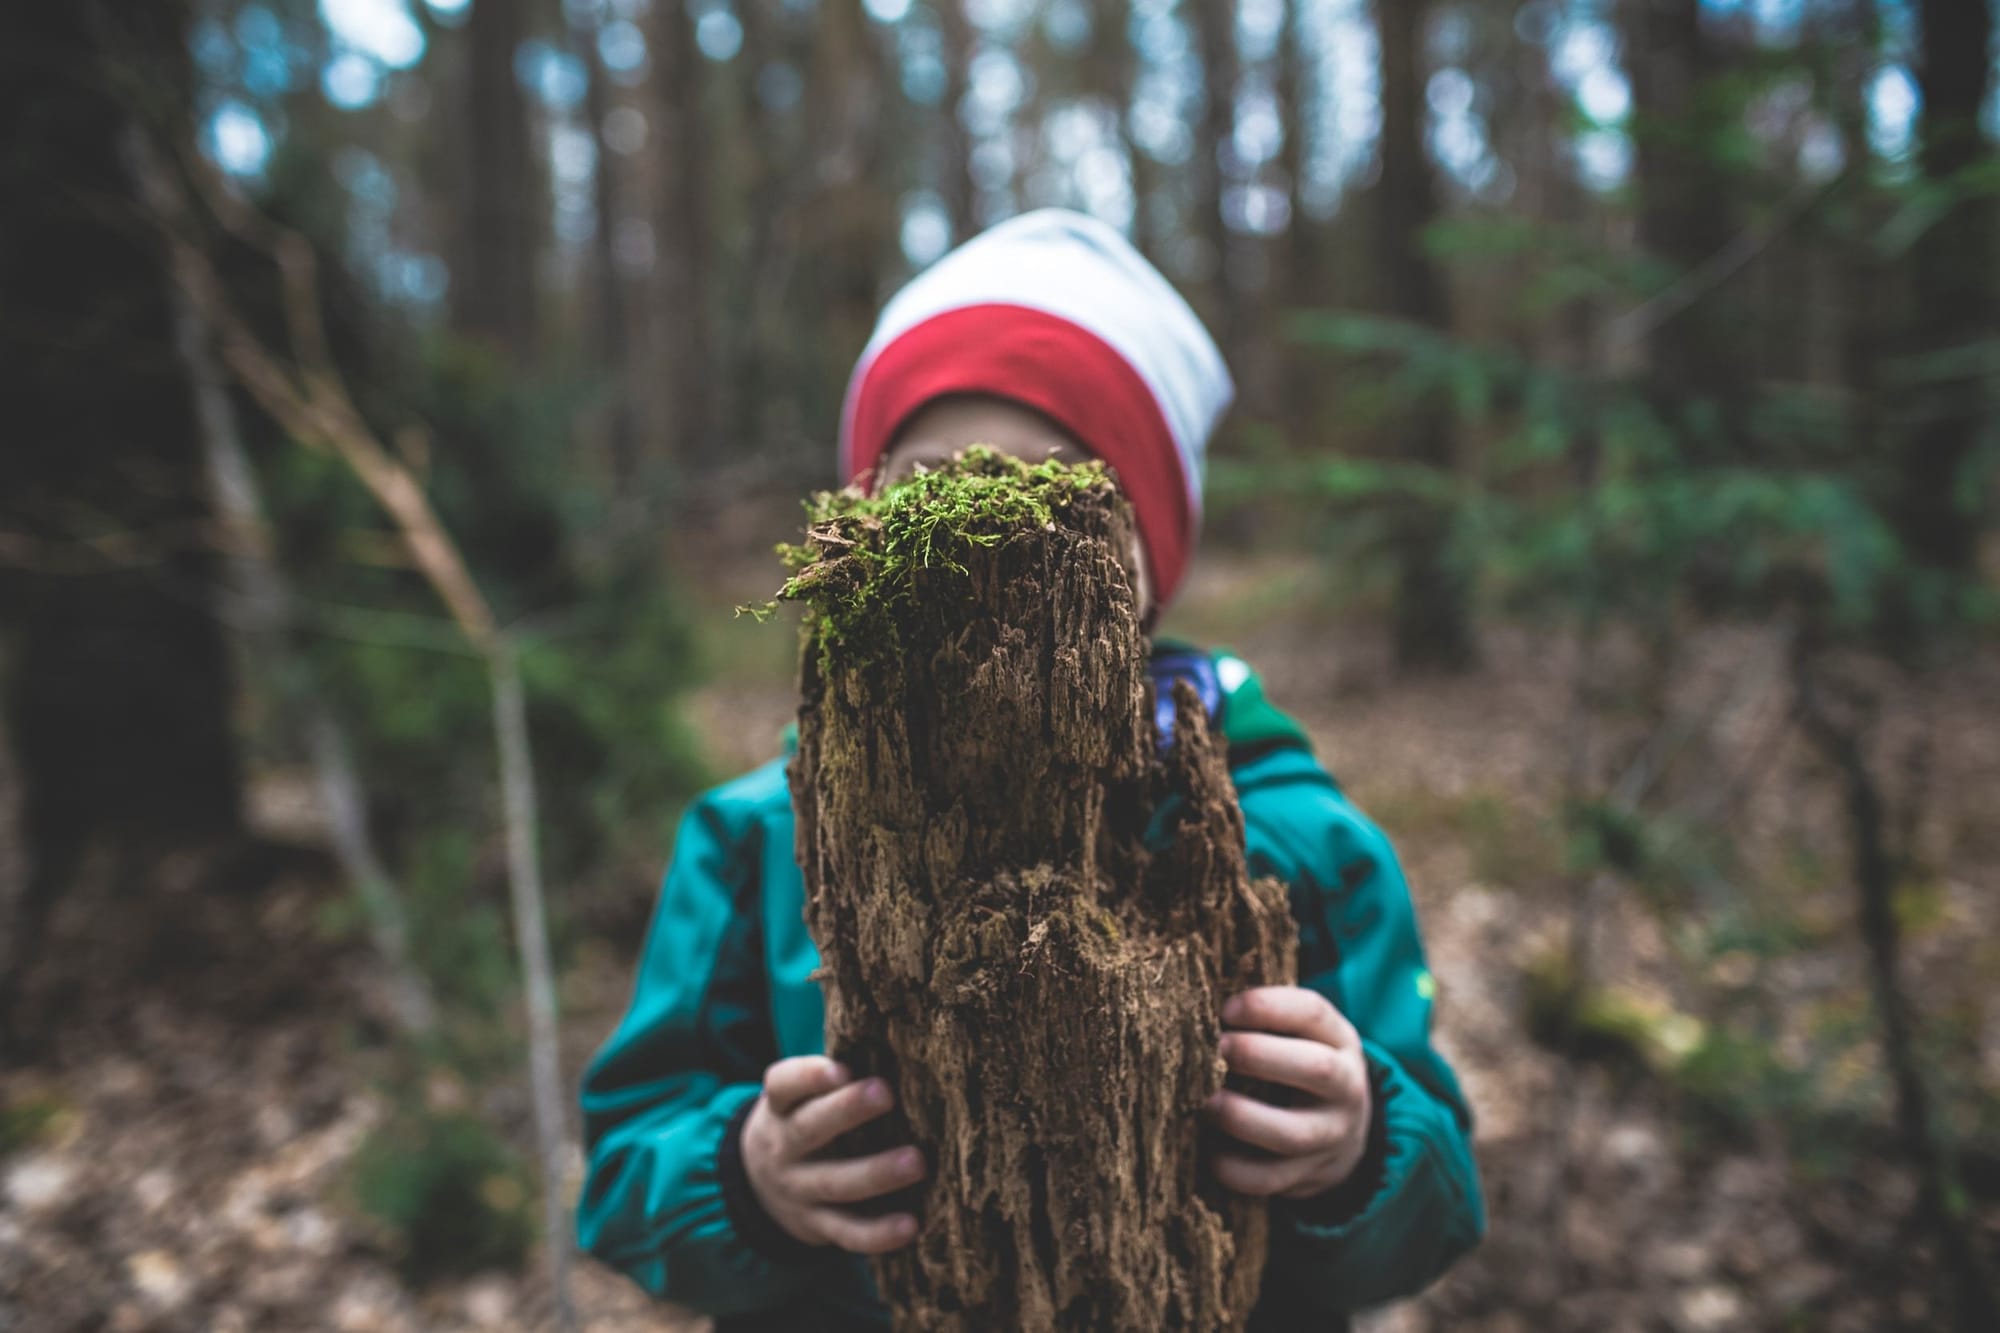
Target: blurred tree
1433	614
961	195
610	322
682	370
1294	276
1112	73
118	687
1214	23
1296	90
493	282
1686	123
852	220
1938	509
762	364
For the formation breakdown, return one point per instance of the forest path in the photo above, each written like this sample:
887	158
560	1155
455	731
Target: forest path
179	1159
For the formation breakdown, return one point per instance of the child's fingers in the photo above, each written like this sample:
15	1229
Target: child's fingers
821	1120
1289	1133
789	1082
1293	1010
1257	1176
1328	1073
858	1178
864	1235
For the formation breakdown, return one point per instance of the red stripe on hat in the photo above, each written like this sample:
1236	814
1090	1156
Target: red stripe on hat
1060	369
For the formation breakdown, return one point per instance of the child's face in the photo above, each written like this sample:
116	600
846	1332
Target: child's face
942	428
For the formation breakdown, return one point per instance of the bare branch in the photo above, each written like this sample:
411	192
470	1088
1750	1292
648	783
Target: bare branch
314	406
1635	325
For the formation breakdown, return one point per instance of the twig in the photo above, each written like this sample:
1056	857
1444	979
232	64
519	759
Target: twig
1635	325
1876	870
531	933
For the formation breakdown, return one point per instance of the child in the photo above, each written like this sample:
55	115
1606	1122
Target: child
706	1113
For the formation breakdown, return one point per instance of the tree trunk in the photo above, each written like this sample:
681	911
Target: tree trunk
1039	985
1296	282
1114	76
685	412
1954	290
118	688
1433	618
494	288
1214	24
762	355
851	222
1699	356
265	617
610	325
960	195
1842	735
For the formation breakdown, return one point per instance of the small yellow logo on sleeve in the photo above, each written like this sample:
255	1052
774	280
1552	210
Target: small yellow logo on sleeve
1427	987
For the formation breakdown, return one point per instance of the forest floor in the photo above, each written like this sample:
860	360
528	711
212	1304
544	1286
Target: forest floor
175	1157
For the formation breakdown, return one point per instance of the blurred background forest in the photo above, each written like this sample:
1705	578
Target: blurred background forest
400	394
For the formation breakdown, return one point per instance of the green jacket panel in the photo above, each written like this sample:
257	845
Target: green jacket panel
725	986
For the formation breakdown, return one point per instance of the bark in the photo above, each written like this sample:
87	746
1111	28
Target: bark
976	770
1433	621
494	289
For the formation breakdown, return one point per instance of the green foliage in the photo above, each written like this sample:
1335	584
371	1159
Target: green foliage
1604	834
1591	493
1595	491
1606	1024
446	1195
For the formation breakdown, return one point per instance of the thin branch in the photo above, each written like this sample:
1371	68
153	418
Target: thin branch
312	403
265	600
1637	324
531	933
1843	740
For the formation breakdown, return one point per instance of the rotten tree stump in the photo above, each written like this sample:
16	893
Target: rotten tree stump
1028	913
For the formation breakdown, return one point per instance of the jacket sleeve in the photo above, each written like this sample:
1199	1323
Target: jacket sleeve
660	1097
1414	1205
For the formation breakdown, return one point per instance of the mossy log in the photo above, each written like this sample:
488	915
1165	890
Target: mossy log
1028	913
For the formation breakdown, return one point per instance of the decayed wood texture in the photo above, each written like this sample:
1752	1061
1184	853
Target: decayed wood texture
1000	940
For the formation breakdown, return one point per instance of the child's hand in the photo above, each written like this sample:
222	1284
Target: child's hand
1297	1038
808	1102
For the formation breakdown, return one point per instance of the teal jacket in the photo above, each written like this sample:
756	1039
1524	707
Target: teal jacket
725	987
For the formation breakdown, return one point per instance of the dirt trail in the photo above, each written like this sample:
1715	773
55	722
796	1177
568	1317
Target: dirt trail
207	1093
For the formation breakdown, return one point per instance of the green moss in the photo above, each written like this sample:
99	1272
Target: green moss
864	557
1609	1025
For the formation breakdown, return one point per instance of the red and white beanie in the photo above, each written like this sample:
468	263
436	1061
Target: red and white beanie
1057	311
